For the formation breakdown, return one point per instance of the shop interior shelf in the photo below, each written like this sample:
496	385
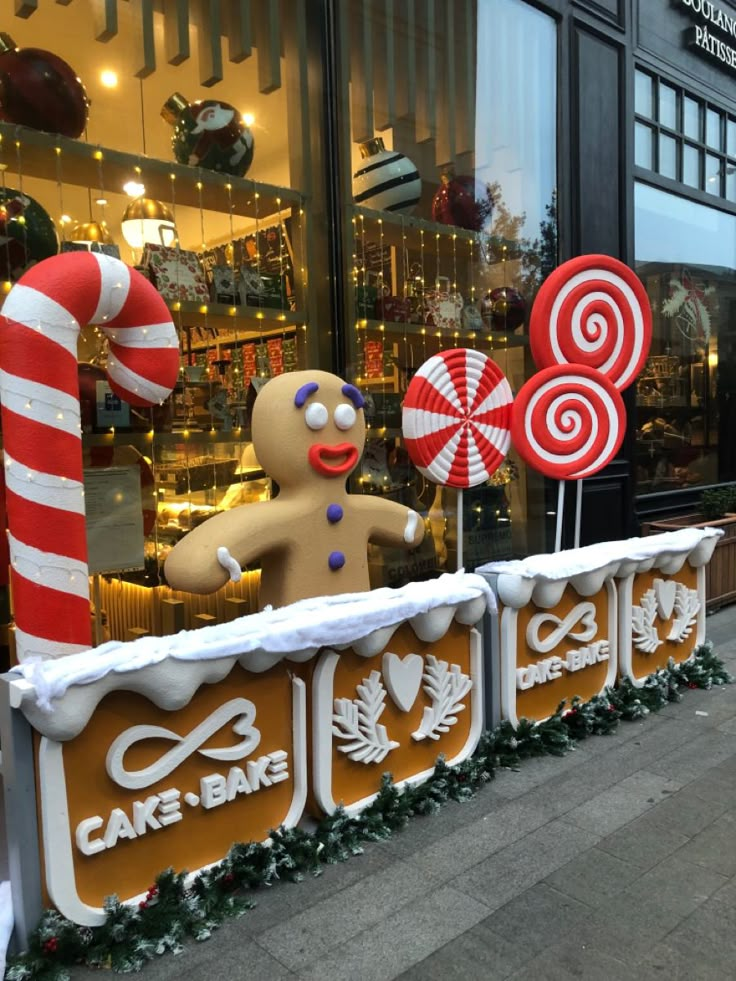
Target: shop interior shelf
147	442
88	163
439	239
494	338
228	325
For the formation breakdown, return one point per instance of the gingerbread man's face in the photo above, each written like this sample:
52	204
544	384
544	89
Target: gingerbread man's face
308	428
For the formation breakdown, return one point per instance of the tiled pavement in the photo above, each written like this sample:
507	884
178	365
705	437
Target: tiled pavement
617	861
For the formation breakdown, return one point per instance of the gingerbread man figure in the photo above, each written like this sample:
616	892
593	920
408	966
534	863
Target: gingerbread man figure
308	434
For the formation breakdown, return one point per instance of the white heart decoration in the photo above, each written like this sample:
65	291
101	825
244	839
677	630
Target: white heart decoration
403	676
665	590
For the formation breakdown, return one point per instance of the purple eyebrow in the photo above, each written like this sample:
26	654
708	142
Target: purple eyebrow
304	392
352	393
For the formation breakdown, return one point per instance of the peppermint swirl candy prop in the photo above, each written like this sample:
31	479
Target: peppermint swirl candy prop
593	311
39	389
456	421
568	423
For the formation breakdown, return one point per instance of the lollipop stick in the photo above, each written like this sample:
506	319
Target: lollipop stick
578	511
560	514
459	529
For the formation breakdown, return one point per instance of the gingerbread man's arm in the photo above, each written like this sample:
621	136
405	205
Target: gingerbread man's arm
246	532
390	523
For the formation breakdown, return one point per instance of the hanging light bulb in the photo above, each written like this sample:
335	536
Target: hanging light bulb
148	221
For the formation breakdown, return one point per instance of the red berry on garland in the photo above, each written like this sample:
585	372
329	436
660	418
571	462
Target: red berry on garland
143	904
51	945
40	90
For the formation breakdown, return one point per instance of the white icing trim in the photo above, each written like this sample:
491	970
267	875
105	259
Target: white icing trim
58	838
542	578
258	641
322	699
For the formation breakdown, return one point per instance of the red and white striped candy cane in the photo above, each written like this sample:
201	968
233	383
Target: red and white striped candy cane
39	389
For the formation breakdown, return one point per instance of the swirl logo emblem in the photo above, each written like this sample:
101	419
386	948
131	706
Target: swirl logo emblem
579	625
240	711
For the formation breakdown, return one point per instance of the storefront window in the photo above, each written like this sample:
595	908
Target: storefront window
696	142
197	165
453	227
686	394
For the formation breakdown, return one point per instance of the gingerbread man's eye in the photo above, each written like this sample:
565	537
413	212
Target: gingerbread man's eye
316	415
345	416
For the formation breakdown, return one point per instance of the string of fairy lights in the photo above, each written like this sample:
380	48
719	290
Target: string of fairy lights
228	211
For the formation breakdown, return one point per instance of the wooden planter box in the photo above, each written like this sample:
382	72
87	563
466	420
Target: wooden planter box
720	573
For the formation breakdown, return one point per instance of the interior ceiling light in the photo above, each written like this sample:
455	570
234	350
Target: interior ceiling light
109	79
248	118
134	189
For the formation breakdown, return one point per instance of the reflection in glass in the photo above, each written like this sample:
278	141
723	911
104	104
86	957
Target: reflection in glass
643	100
667	106
667	156
686	394
713	170
691	110
731	180
731	137
644	146
713	129
474	108
691	165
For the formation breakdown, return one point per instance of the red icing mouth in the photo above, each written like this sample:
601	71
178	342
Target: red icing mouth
344	455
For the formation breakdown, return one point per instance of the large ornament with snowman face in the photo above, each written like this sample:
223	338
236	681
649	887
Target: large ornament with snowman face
312	538
209	134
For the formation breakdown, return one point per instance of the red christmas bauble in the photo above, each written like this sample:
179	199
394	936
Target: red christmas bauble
462	201
40	90
503	309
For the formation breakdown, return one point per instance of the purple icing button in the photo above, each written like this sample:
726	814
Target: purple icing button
336	561
334	514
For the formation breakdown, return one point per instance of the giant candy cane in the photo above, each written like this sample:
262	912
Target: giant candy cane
39	389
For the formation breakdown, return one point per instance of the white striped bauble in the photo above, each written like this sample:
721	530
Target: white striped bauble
386	180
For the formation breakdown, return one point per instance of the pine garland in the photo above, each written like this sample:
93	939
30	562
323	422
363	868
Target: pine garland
174	911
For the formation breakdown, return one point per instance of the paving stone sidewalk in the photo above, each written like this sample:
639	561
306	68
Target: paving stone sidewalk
617	861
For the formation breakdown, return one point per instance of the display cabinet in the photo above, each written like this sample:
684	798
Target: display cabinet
219	218
451	230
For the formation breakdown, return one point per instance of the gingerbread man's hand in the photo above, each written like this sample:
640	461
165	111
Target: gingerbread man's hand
389	523
229	564
414	531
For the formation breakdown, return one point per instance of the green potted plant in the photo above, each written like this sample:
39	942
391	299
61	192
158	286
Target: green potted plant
717	510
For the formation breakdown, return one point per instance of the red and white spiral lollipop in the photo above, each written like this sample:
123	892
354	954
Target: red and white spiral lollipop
39	389
456	418
568	422
594	311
